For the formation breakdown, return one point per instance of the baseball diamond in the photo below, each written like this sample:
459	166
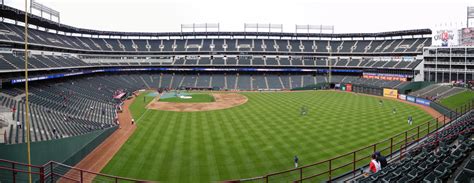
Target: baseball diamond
377	96
257	137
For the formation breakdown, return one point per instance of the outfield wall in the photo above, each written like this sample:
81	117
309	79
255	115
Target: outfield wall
441	109
69	150
367	90
318	86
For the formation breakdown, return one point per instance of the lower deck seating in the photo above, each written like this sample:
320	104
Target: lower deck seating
437	91
434	160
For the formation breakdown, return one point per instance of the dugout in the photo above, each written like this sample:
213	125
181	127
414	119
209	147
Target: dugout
196	88
371	90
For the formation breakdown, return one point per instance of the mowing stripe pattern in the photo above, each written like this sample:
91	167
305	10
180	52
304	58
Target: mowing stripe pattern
259	137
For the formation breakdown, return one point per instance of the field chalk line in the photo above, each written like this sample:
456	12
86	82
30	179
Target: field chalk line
143	114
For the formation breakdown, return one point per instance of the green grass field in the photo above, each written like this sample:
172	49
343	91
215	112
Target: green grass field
259	137
196	98
458	100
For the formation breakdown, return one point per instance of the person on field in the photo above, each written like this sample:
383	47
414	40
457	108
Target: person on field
118	123
381	159
394	110
374	165
296	161
380	102
410	120
133	121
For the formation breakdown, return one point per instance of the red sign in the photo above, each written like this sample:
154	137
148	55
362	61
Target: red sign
349	87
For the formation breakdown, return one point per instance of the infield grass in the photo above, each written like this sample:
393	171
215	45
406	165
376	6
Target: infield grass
259	137
196	98
458	100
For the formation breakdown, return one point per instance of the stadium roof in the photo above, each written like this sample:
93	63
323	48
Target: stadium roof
18	15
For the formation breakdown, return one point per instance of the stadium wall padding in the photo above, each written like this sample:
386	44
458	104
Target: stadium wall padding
67	150
367	90
318	86
441	109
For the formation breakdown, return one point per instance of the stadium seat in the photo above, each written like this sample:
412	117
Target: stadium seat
464	176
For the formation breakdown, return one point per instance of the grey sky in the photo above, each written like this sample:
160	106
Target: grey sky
345	15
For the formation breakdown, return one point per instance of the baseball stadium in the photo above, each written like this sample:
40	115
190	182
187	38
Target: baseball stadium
262	105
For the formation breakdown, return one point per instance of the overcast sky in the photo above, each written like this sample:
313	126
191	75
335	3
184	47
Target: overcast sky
346	15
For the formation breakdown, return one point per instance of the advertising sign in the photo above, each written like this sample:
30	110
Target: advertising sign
423	101
402	97
410	98
445	37
383	76
467	36
391	93
349	87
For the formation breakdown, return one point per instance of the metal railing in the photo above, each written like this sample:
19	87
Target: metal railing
11	171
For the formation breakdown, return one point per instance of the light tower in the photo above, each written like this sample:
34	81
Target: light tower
329	63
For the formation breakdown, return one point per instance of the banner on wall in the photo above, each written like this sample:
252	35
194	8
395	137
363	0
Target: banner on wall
402	97
390	77
467	36
423	101
445	37
13	81
410	99
391	93
349	87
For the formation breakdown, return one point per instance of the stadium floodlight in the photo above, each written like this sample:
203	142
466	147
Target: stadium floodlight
200	27
315	28
44	9
257	27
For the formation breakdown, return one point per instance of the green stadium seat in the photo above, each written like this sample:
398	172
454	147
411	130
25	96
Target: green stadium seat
442	171
470	164
432	178
458	155
464	176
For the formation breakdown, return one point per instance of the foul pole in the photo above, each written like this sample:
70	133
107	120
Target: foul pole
27	119
329	63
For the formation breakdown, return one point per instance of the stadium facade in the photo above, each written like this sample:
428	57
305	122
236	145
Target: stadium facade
86	67
447	64
394	53
198	60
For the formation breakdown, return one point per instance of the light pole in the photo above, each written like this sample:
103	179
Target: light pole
329	63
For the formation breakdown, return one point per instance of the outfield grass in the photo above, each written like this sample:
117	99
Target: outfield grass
259	137
196	98
458	100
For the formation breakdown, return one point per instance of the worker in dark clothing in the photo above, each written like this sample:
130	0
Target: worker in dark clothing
296	161
381	159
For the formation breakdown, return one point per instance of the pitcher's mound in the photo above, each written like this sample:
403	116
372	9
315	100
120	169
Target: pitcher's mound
222	101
